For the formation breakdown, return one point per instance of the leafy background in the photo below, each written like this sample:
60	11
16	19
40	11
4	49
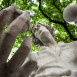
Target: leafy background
48	12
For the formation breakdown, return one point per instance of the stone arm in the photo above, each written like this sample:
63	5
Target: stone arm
47	40
13	67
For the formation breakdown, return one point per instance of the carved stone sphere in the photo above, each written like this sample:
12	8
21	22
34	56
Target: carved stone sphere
70	13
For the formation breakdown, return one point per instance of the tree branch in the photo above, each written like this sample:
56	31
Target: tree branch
57	22
54	21
57	7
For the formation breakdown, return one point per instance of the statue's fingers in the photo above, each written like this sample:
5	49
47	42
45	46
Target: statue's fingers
19	57
5	14
19	12
9	36
26	26
27	69
14	16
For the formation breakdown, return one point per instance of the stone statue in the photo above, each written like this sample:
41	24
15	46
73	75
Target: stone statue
70	13
16	21
53	59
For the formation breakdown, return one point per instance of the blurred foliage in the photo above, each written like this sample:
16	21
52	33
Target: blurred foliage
52	8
